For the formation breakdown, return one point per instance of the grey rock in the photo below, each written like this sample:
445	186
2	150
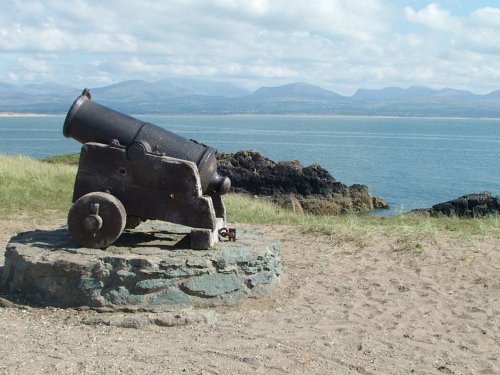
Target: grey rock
87	283
302	189
42	268
186	272
214	284
197	262
250	269
170	263
122	296
471	205
126	276
154	285
261	278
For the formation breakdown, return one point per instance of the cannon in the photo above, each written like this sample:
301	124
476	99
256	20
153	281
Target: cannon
131	171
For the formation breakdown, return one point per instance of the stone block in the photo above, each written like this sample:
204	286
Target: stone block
145	272
203	239
154	285
214	284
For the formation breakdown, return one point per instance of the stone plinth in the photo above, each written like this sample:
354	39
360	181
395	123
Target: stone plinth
147	267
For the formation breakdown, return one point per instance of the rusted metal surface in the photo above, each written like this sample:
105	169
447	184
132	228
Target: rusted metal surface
88	121
230	233
154	188
138	171
96	220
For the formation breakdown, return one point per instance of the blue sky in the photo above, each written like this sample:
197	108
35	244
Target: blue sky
341	45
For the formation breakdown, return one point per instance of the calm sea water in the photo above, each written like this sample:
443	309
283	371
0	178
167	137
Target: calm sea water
410	162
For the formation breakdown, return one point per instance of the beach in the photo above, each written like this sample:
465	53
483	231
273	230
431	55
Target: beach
16	114
384	307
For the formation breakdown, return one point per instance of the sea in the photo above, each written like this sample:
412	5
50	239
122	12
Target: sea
409	162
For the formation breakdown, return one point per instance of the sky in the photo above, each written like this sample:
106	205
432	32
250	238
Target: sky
340	45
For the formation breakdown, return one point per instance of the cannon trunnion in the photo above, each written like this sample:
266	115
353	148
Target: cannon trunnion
131	171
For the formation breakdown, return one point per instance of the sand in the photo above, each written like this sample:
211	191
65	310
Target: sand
389	307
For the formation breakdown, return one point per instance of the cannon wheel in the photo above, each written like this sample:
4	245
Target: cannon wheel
96	220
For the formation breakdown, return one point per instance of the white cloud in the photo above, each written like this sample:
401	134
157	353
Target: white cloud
13	77
487	17
434	17
338	44
34	64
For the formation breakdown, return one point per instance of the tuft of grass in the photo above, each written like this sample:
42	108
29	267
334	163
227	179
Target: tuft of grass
246	209
31	186
411	230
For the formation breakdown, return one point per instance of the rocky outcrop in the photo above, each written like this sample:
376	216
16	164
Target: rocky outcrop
304	189
471	205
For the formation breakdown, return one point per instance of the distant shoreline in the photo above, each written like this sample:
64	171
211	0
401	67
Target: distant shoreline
28	114
16	114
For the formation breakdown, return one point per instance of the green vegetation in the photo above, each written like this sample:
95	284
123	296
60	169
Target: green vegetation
360	229
69	159
33	188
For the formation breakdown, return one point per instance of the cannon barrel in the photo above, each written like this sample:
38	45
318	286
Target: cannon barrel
88	121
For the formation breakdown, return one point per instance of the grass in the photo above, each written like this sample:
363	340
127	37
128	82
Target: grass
69	159
32	188
361	229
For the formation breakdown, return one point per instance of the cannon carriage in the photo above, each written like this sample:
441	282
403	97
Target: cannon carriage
131	171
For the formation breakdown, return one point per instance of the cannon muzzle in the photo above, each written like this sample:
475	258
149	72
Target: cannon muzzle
88	121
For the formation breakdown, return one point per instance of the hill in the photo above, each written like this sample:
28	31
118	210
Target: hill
190	96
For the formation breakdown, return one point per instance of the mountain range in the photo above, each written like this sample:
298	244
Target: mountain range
190	96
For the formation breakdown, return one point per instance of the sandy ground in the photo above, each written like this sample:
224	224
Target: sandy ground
387	308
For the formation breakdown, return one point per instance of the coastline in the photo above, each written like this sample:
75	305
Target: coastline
27	114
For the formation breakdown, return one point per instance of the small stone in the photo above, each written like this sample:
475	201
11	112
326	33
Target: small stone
186	272
154	285
141	263
197	262
171	263
125	276
89	283
99	270
378	202
249	269
122	296
232	255
249	358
